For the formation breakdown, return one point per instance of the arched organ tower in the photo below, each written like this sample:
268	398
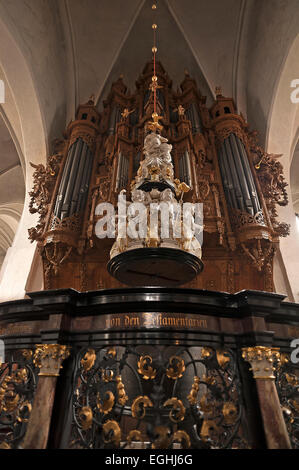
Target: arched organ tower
213	152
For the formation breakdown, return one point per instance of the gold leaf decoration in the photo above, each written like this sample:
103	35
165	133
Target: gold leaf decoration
107	404
112	433
134	435
230	413
144	369
27	354
122	396
206	353
21	376
85	416
111	352
208	428
177	413
205	405
11	401
295	405
25	407
183	438
178	371
139	406
222	358
5	446
292	379
162	438
88	360
192	397
209	379
284	359
106	375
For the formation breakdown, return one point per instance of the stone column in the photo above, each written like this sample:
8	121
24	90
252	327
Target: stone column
48	357
261	359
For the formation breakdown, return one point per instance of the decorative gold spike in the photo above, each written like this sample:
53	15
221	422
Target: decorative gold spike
154	26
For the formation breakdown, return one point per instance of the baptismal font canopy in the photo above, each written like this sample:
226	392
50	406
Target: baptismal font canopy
167	250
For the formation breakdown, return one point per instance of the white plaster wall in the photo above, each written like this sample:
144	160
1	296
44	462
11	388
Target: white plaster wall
28	118
283	128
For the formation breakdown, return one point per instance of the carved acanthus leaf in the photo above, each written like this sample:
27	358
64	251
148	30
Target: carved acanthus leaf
44	178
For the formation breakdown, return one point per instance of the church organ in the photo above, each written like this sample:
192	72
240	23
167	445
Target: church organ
213	152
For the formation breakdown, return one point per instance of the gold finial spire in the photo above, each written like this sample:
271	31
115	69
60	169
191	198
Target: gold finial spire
154	86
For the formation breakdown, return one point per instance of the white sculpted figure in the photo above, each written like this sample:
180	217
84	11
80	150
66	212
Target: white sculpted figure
157	158
151	149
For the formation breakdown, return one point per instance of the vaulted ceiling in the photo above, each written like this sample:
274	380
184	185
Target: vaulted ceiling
55	53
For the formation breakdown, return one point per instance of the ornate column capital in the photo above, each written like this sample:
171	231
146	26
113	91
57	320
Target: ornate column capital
49	357
261	359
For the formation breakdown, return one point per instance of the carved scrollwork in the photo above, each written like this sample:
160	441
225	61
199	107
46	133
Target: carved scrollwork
178	410
260	252
112	433
287	384
18	382
87	137
70	224
157	407
225	132
178	370
44	178
203	189
282	229
147	372
270	174
56	254
139	406
242	219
